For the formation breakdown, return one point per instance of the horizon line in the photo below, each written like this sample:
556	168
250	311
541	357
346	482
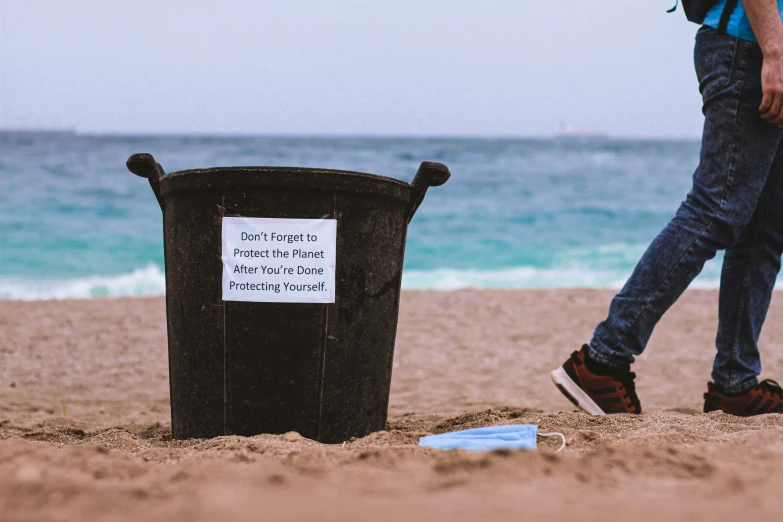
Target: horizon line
445	136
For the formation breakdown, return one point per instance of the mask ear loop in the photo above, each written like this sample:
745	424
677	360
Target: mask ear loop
556	434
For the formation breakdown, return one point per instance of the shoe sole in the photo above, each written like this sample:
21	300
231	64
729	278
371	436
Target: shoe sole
574	393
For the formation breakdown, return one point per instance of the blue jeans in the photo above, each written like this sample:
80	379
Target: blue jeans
736	204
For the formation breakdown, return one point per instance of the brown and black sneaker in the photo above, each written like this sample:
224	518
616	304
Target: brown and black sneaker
600	391
765	397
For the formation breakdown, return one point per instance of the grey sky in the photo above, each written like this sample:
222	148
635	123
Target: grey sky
403	67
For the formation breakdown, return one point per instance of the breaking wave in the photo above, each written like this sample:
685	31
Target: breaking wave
150	281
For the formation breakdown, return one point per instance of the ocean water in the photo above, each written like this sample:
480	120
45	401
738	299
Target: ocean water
516	213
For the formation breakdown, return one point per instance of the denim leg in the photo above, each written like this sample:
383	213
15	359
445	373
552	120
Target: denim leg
750	269
737	152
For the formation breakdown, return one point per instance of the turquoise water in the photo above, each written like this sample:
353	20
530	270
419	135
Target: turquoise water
516	213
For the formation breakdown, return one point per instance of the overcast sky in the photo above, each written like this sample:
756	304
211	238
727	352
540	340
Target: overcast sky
401	67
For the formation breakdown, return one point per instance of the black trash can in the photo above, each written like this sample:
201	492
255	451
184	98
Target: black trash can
282	293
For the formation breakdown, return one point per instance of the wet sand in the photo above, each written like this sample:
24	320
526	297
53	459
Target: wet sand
85	429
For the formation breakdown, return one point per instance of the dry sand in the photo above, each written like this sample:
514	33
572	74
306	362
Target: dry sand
85	431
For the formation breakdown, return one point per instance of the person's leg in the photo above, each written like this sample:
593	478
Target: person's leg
737	152
750	268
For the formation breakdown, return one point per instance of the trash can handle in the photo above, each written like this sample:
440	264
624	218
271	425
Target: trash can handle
145	166
430	174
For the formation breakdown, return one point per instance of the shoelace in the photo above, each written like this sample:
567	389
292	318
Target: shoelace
772	387
628	383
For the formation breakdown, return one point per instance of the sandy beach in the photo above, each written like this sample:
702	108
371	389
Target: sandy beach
85	429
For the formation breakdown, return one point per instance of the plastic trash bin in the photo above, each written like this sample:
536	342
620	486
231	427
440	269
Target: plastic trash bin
282	294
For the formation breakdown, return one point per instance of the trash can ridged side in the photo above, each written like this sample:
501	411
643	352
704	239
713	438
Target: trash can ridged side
195	315
245	368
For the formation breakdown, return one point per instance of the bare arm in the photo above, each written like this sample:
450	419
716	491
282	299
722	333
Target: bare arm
765	20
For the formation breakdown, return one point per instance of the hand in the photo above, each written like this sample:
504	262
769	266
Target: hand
771	107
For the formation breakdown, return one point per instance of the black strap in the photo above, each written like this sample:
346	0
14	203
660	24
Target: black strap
728	10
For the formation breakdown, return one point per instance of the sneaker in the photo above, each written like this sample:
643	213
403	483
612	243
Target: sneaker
597	394
765	397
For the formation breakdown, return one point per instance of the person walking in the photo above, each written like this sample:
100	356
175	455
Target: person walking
735	204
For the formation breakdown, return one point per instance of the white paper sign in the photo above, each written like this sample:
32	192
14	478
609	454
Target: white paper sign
279	260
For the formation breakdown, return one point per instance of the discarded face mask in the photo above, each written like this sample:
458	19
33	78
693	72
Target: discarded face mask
512	436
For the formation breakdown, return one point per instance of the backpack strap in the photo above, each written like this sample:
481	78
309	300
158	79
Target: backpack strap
696	10
728	10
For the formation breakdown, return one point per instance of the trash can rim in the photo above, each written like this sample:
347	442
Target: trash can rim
284	170
296	178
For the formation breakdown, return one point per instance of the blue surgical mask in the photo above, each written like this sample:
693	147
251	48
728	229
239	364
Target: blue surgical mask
511	436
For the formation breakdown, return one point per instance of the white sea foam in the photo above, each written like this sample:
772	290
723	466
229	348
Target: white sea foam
525	277
603	266
522	277
150	281
145	281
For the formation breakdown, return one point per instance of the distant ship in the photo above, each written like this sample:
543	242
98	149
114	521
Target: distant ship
570	132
